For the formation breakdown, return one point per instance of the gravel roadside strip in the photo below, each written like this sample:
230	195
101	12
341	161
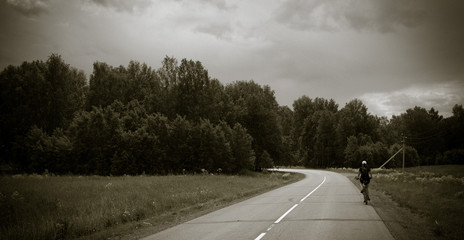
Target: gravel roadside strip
401	221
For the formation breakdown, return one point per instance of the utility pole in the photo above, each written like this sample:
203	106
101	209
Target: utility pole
403	141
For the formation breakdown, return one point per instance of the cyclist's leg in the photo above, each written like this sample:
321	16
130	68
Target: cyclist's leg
364	193
367	192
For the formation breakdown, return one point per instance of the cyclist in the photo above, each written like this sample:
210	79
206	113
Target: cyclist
366	175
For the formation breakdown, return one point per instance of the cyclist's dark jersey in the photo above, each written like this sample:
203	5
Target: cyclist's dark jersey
365	175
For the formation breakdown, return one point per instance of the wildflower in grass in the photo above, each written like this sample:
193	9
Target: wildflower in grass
448	180
426	174
59	204
421	180
125	216
16	196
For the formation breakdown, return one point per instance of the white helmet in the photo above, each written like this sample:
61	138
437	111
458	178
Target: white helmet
364	162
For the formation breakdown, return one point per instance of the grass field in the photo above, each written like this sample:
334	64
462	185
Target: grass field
67	207
436	192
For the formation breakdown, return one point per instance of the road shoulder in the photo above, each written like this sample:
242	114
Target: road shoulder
400	221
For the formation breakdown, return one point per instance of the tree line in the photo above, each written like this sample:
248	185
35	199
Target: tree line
178	119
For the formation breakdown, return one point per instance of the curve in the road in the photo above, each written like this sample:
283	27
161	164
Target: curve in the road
333	209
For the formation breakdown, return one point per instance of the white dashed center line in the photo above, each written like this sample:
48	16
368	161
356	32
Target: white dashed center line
288	211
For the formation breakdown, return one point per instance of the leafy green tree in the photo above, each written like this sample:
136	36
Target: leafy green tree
361	148
387	131
158	161
285	120
316	134
308	113
193	79
66	90
307	141
354	119
177	119
42	94
423	131
198	96
132	115
255	108
136	146
107	84
20	103
95	136
202	138
454	156
138	153
411	157
212	148
454	129
265	161
305	107
324	144
180	151
302	108
143	86
46	152
136	82
217	105
351	152
242	151
289	152
167	75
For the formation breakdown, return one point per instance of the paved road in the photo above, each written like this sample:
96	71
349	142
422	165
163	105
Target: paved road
324	205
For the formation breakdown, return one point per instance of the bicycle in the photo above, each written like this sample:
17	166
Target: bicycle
364	191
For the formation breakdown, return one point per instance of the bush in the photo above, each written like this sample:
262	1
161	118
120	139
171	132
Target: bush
455	156
265	161
411	157
45	152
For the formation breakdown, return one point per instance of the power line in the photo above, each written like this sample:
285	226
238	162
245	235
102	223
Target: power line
423	140
422	137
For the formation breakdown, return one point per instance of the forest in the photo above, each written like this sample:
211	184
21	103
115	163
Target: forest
178	120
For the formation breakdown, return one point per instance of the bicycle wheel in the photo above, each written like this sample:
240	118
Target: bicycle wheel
366	197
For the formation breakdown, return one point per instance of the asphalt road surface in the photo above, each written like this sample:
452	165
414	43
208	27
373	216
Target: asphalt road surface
324	205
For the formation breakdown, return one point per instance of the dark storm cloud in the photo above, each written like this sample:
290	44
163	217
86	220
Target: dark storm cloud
442	38
435	27
28	7
220	4
219	30
385	52
419	42
123	5
382	16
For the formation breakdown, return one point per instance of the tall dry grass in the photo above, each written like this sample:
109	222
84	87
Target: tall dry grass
436	192
65	207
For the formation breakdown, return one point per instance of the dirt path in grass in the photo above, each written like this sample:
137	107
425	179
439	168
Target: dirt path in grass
401	221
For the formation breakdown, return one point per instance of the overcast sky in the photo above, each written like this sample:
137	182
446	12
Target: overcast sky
391	54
